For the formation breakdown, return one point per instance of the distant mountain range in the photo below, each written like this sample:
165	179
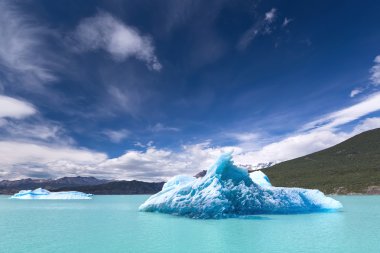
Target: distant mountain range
118	188
352	166
84	184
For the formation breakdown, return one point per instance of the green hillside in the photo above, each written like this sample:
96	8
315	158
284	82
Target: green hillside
352	166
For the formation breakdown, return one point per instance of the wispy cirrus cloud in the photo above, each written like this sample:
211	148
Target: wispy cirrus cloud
286	22
260	27
375	71
35	130
374	78
24	57
117	136
106	32
368	105
159	127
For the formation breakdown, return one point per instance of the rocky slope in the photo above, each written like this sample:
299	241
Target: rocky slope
352	166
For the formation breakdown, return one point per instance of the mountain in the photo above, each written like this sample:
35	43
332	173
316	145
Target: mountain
83	184
352	166
10	187
118	188
200	174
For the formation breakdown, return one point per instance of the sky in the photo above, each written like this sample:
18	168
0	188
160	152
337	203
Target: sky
147	90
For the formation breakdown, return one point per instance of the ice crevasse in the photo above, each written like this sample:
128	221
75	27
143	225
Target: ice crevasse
229	191
45	194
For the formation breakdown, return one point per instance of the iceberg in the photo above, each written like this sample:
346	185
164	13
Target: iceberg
45	194
229	191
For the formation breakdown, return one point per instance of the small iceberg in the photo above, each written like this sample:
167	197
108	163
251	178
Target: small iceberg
229	191
45	194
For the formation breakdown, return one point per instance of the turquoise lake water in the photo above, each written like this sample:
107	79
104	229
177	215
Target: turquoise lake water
113	224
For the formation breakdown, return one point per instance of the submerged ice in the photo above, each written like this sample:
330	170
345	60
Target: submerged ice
228	190
45	194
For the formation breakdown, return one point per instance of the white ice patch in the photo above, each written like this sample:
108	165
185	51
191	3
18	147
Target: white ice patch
45	194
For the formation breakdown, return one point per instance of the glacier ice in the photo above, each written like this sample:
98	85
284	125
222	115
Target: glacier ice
260	178
45	194
229	191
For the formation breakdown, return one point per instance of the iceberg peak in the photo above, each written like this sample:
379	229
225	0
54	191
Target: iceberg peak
228	191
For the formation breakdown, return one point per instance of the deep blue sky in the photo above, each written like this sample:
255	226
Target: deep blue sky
211	73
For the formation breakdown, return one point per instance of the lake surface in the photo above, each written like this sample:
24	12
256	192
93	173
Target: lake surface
113	224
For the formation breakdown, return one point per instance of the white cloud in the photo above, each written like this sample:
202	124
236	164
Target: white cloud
117	136
34	146
156	164
270	15
368	105
159	127
367	124
374	78
104	31
20	120
153	164
355	92
161	164
292	147
128	100
261	26
23	54
15	108
245	140
319	134
375	72
245	136
20	159
35	130
304	143
142	145
286	21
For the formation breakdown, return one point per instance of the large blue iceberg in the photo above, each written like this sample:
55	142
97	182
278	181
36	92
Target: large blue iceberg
45	194
229	191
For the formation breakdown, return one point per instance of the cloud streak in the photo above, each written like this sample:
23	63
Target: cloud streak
369	105
159	127
24	59
117	136
374	78
375	72
260	27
